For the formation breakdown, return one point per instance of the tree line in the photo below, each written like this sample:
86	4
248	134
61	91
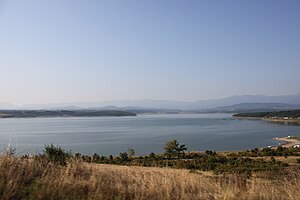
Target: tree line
175	156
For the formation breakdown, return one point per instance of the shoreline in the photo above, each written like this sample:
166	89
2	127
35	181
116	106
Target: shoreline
294	121
279	120
289	141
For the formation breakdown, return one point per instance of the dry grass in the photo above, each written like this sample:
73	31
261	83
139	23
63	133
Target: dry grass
29	179
291	160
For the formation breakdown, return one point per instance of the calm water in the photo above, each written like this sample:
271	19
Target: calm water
145	133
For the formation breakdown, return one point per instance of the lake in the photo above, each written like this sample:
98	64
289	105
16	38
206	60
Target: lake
144	133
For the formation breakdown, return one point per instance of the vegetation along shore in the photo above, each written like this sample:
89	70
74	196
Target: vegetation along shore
63	113
291	116
267	173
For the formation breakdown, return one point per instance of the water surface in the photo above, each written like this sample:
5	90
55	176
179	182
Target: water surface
144	133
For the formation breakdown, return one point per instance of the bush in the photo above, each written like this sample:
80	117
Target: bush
56	154
124	157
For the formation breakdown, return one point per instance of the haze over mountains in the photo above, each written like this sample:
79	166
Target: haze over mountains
254	107
228	104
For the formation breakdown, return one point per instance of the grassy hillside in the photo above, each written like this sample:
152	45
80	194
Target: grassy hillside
33	179
57	174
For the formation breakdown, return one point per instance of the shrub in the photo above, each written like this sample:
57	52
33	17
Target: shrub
56	154
124	157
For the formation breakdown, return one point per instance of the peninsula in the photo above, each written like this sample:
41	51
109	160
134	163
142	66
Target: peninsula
291	116
63	113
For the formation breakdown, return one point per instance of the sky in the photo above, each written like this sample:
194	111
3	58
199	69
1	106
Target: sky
91	51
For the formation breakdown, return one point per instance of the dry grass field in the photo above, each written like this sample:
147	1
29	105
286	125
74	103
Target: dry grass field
32	179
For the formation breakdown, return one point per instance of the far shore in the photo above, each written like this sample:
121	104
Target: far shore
297	121
278	120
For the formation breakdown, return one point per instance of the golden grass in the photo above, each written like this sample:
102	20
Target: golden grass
291	160
29	179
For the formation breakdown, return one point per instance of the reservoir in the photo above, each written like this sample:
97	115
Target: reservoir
144	133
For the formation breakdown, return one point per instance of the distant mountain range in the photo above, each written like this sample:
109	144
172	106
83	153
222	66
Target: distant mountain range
229	104
254	107
8	106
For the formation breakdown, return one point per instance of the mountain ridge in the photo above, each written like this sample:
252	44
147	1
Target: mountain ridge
293	99
255	107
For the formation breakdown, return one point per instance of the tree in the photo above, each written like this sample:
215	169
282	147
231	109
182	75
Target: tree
96	157
124	156
152	156
173	149
56	154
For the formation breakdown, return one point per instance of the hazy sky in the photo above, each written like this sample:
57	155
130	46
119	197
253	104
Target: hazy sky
70	51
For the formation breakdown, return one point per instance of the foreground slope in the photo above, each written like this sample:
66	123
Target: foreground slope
35	179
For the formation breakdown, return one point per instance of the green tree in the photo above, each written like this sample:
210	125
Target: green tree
173	149
124	156
152	156
56	154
